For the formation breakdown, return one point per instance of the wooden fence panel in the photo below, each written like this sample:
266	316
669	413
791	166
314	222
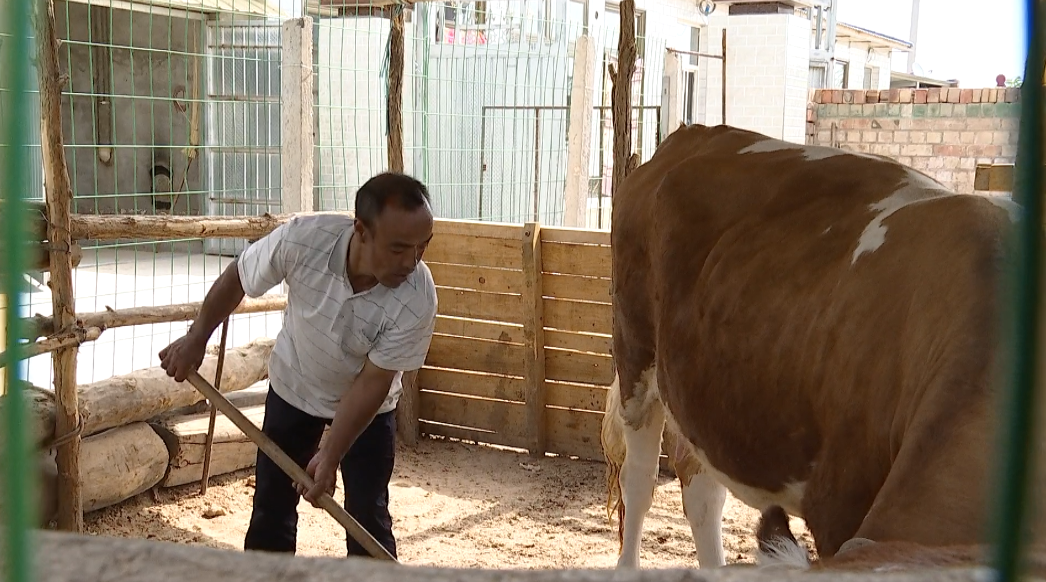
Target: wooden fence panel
521	355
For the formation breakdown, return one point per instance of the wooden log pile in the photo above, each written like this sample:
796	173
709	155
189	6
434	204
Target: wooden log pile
144	430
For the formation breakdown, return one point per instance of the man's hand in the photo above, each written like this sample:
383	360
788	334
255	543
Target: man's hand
184	354
324	473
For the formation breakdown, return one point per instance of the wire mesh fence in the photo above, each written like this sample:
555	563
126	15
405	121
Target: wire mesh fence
174	108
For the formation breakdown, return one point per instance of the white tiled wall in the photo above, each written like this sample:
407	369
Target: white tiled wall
768	58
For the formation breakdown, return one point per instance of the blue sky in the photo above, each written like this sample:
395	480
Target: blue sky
969	40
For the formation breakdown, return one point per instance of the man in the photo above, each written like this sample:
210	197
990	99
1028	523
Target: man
361	307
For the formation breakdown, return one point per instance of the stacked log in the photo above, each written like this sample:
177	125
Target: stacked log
140	430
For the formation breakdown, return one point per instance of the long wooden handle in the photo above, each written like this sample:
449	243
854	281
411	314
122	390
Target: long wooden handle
293	470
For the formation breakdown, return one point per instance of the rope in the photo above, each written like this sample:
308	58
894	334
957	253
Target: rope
69	436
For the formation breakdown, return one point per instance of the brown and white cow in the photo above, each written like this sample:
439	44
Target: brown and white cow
818	330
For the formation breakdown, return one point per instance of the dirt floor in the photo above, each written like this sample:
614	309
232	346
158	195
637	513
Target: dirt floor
454	505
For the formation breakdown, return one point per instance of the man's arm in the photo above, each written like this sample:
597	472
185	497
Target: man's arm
259	268
355	411
221	300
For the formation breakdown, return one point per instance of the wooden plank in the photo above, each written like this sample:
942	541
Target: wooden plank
490	330
576	288
472	434
574	259
575	433
579	342
993	178
479	305
497	416
487	279
580	367
472	384
533	339
474	354
578	316
477	251
562	394
566	234
471	228
577	396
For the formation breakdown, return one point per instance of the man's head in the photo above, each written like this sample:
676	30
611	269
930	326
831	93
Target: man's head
393	226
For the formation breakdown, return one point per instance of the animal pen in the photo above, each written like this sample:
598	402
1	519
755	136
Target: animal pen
262	116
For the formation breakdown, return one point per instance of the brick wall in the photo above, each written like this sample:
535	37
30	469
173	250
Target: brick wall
943	132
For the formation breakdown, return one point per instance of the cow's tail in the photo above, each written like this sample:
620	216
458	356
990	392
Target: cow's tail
613	441
778	548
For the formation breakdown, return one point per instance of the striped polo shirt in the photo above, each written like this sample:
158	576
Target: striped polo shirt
329	330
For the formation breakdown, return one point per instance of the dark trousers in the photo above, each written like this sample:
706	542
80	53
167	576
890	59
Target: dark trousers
365	471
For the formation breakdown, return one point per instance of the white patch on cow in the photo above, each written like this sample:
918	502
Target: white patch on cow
1012	208
826	231
917	188
782	553
639	470
790	497
810	152
644	394
703	501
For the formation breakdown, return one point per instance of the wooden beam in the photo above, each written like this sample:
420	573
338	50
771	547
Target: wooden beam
394	104
40	326
534	340
64	340
621	93
59	195
408	410
993	178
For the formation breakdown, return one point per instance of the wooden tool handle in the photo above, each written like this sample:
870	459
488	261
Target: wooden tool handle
293	470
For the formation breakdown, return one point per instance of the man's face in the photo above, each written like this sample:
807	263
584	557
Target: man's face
396	243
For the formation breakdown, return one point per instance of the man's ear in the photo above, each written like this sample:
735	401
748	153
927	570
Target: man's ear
361	230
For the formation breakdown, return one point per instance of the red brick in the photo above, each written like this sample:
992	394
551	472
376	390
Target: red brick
948	150
966	96
920	96
1013	95
933	95
895	95
978	95
906	95
954	94
817	96
859	97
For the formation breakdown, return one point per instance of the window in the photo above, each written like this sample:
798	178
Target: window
818	76
841	75
695	44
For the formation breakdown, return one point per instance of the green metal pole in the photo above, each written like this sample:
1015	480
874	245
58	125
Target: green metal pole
17	480
1017	443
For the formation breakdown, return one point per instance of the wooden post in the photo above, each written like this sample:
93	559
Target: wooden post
533	339
59	196
395	98
408	410
579	138
621	93
296	139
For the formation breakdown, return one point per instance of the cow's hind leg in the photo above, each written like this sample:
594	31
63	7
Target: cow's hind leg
703	501
639	423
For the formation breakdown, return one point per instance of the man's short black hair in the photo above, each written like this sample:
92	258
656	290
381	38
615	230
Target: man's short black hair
375	194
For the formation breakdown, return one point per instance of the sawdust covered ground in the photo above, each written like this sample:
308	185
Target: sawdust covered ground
454	505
